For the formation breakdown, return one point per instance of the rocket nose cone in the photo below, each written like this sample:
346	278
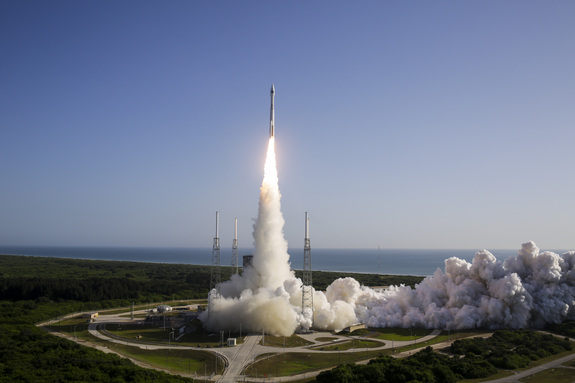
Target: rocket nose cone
273	89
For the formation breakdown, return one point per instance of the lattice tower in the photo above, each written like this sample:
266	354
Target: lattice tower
215	274
307	289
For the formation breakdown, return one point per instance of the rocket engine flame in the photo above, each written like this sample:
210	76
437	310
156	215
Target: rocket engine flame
270	180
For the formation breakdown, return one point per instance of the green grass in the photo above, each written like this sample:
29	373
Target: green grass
144	333
297	363
405	334
187	361
350	344
288	341
198	361
399	334
67	326
552	375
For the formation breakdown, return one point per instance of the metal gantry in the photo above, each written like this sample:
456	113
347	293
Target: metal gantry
215	272
307	288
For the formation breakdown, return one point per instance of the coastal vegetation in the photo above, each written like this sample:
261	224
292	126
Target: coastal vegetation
63	279
474	358
36	289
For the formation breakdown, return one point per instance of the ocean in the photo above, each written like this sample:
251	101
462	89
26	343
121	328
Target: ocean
385	261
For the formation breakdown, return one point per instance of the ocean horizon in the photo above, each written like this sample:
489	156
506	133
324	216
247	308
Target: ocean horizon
421	262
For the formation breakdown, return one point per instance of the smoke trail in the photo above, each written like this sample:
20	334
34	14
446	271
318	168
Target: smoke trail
259	299
528	290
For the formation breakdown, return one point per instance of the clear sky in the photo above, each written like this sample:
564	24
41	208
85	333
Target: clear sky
404	124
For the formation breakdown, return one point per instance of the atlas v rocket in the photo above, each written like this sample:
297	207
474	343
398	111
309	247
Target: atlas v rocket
272	93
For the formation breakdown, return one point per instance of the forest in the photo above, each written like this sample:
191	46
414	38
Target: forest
60	279
474	358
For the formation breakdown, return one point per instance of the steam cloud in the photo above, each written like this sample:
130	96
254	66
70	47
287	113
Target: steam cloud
528	290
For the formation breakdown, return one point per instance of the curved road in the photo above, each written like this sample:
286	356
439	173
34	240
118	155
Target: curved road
240	356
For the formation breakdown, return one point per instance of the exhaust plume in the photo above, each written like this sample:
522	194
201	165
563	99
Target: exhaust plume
528	290
260	298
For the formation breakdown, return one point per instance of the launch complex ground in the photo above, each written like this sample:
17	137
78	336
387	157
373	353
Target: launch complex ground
256	357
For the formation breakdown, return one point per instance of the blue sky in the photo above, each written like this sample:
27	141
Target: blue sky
417	124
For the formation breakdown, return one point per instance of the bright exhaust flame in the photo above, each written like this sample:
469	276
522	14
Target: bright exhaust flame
270	170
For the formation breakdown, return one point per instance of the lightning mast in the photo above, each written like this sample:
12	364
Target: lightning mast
307	288
235	249
215	275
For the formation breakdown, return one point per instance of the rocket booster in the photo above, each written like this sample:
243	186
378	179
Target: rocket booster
272	93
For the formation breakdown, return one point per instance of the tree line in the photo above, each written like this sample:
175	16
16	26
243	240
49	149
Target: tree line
58	279
474	359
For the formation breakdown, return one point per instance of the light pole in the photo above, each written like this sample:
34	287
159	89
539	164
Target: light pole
170	335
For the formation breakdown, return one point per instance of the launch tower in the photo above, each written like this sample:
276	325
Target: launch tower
215	275
307	289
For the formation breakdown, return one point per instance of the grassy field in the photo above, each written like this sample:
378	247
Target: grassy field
186	361
350	344
399	334
283	341
297	363
554	375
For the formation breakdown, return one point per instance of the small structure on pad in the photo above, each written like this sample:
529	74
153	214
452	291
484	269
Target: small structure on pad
90	316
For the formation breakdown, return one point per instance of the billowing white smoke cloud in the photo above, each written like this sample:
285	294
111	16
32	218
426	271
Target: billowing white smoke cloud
527	290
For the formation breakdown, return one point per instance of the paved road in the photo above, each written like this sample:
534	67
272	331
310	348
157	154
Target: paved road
238	357
523	374
242	355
